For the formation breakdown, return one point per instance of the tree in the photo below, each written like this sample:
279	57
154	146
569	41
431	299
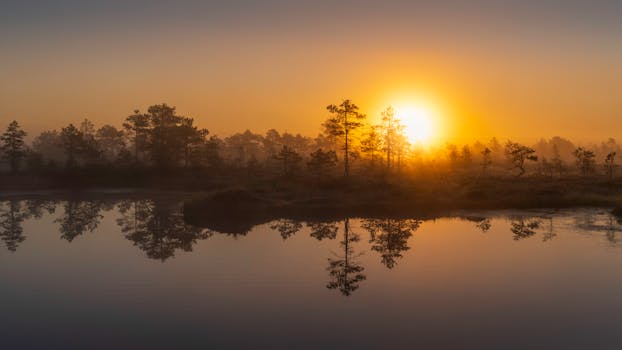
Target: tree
585	160
110	141
240	146
321	161
164	141
390	127
558	163
610	165
344	120
371	143
137	125
191	138
517	154
13	145
452	153
486	160
50	146
90	150
271	142
72	141
289	160
466	155
211	152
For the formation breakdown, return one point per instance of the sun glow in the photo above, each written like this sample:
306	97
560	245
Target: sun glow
419	122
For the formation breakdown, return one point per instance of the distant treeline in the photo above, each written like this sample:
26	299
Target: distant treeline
348	146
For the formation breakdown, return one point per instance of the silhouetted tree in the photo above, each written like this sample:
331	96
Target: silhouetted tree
371	143
191	138
320	162
517	154
241	146
547	168
72	141
557	162
466	155
390	128
110	141
289	160
486	160
272	142
345	272
585	160
137	125
452	153
610	165
165	144
344	120
50	147
89	148
211	152
12	146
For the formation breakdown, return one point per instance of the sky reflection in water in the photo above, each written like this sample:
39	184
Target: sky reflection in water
102	273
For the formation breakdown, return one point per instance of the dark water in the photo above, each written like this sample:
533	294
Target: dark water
133	275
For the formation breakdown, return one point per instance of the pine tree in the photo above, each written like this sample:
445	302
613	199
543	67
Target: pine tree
13	145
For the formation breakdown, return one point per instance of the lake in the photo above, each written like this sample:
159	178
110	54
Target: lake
132	274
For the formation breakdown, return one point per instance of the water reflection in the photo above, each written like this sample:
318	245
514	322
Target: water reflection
389	237
286	227
79	217
323	230
158	228
481	223
11	230
344	270
523	227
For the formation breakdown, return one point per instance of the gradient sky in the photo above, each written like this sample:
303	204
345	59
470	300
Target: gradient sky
519	69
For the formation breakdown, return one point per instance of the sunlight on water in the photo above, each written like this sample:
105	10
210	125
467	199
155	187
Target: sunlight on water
134	272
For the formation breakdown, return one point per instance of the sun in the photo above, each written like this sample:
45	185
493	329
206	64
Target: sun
419	122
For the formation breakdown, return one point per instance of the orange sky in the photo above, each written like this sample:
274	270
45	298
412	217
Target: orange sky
521	72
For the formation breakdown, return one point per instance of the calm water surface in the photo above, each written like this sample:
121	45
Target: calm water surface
133	275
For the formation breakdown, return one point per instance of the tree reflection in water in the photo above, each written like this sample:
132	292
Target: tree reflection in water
158	228
79	217
549	234
11	218
286	227
322	230
524	227
344	271
484	225
389	237
481	223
